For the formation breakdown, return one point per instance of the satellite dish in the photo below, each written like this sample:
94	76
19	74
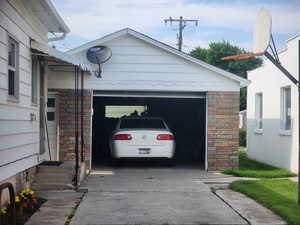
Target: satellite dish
97	55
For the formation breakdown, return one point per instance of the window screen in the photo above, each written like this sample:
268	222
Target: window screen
34	81
13	67
259	110
286	119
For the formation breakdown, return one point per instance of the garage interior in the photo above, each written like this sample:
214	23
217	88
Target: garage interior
185	116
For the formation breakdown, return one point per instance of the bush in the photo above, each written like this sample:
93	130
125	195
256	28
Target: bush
243	137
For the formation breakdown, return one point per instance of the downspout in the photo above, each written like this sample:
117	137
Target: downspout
58	38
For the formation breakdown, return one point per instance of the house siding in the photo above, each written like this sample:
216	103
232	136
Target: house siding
271	145
140	66
19	136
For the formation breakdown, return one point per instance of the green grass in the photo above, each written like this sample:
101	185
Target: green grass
252	168
279	195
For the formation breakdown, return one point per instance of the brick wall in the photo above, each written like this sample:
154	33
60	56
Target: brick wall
222	131
67	125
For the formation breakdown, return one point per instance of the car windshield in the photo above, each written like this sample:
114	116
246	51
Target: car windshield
142	123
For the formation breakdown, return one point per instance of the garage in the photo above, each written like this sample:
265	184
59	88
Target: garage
184	114
199	102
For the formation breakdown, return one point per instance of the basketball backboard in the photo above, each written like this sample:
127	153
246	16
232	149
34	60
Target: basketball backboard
261	36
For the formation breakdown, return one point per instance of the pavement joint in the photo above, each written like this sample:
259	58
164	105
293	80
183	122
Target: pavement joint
237	212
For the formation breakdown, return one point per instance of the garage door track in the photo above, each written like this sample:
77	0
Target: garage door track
151	196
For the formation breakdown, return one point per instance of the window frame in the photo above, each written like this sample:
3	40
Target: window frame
15	69
283	109
35	72
259	111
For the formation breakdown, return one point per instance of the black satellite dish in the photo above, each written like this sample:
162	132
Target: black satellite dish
97	55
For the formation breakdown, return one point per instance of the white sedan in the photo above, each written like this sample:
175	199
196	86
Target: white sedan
142	137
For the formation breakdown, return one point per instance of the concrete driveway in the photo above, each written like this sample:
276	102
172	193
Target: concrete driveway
151	196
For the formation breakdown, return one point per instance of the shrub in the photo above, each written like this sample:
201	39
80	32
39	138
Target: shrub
243	137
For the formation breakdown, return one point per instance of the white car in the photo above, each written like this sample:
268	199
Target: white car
142	137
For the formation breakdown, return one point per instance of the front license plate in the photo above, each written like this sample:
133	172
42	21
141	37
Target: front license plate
144	151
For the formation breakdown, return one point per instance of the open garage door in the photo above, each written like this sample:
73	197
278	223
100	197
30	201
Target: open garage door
184	113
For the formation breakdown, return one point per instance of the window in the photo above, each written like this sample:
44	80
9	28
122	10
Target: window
259	110
13	68
142	123
286	119
50	116
51	103
117	111
34	80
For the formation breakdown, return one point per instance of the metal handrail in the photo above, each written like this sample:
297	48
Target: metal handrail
12	206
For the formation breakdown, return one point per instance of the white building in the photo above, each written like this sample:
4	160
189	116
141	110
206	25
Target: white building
24	55
272	127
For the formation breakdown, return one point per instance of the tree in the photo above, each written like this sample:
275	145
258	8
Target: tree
217	50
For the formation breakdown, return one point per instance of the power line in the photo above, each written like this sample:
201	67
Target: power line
182	24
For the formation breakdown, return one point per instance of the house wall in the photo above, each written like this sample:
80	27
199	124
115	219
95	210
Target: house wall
272	145
19	181
222	130
19	136
137	65
67	124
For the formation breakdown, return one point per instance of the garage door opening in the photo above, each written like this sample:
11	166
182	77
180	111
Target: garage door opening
186	118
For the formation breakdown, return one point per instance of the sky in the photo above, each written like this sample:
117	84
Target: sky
229	20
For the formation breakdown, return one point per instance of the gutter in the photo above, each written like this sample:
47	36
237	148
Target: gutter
57	38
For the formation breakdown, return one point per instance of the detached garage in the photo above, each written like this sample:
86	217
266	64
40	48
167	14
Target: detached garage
199	102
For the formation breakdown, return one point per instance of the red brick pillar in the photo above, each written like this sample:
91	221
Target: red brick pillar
67	124
223	130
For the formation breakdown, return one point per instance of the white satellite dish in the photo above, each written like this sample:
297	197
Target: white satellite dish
262	31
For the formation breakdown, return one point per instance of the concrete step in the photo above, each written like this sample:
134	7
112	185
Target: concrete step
53	177
55	169
52	186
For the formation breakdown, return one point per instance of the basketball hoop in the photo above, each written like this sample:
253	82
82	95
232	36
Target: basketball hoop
262	41
261	36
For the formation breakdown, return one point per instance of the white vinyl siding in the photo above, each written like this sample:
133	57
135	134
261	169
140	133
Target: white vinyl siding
19	135
259	110
136	65
285	116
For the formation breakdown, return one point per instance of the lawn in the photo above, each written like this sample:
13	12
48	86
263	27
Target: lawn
252	168
279	195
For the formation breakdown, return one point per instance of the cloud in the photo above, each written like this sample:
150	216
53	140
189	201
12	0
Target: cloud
92	19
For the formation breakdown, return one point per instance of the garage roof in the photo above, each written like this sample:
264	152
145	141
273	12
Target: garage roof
168	48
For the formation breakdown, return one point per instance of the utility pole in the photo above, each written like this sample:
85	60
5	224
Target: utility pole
182	24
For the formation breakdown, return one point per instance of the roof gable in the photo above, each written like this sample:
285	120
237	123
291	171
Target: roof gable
127	31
